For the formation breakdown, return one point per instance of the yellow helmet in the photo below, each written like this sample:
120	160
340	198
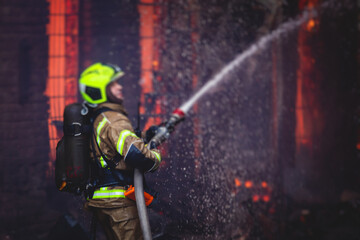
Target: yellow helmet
94	79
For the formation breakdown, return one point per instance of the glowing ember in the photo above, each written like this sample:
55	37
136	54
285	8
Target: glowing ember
310	25
266	198
358	146
248	184
255	198
237	182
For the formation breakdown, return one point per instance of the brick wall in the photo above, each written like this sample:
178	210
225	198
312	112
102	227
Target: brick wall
24	110
30	204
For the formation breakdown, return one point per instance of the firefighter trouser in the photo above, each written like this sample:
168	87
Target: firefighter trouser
119	223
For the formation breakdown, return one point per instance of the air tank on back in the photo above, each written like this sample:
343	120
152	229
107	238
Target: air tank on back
73	154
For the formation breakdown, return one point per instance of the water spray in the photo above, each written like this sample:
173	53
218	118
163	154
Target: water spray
163	133
242	57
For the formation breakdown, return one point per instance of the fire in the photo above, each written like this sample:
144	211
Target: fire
237	182
256	198
311	25
358	146
61	85
264	184
146	12
306	97
248	184
266	198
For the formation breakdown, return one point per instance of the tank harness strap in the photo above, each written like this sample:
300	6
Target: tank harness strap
109	176
116	159
76	129
100	111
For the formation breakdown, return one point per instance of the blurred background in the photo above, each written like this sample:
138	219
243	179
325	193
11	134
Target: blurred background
272	152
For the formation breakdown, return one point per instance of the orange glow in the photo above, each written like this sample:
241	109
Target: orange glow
150	44
308	118
237	182
310	25
147	50
150	122
248	184
266	198
61	86
149	58
196	121
158	112
358	146
308	4
56	70
255	198
264	184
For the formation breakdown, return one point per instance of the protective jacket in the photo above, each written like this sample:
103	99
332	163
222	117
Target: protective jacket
117	140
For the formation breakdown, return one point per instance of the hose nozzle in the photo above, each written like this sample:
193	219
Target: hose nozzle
176	117
163	133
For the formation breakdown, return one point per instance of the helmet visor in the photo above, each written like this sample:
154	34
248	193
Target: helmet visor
117	76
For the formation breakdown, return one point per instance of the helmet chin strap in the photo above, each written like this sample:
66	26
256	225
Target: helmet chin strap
111	98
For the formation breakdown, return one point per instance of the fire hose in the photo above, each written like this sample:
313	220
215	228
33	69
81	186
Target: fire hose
162	134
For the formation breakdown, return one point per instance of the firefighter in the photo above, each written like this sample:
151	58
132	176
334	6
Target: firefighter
115	140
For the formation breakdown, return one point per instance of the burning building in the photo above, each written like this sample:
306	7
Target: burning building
279	134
